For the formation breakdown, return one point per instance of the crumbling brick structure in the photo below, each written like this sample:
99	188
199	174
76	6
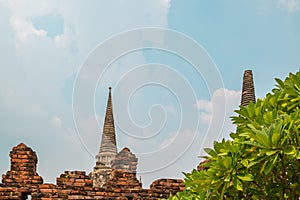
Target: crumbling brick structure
22	174
123	174
113	177
22	180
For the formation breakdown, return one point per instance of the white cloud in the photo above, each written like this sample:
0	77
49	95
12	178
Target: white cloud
178	153
213	113
208	108
204	105
291	5
24	28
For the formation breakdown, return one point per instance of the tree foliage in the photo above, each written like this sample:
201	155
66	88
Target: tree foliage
262	159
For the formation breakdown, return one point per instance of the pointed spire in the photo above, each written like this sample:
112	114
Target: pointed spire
248	93
108	147
108	142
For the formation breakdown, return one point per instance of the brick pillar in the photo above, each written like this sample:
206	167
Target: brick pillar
123	175
248	93
22	173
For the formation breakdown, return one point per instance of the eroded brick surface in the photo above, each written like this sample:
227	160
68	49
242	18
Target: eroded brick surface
22	180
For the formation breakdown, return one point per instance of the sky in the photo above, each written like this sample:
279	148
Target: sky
175	68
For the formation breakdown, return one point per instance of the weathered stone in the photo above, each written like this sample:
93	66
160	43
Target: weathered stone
23	168
248	93
77	185
108	148
113	177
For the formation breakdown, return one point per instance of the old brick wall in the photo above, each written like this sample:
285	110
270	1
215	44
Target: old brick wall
9	193
165	187
123	175
22	180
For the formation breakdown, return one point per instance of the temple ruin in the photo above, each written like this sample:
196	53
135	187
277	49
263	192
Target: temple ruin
108	148
113	177
248	93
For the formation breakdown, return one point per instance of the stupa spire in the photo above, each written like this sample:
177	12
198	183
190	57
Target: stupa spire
108	142
248	93
108	148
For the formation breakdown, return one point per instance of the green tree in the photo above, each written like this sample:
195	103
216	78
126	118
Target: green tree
262	159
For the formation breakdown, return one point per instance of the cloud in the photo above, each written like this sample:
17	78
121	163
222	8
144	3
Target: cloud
231	98
25	28
206	108
213	113
291	5
179	152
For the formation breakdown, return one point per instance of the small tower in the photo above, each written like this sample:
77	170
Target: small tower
248	93
124	170
108	148
22	174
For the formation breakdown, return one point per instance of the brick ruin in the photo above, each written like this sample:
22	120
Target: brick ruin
23	180
248	92
22	177
108	148
113	177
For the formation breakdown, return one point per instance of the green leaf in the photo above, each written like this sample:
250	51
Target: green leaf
255	161
252	143
245	162
251	110
227	162
271	152
271	101
210	152
290	150
275	138
223	154
280	82
264	166
298	155
238	184
270	164
268	117
262	138
247	177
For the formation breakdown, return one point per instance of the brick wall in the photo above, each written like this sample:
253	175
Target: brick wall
23	180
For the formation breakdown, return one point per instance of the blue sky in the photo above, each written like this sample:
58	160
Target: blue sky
46	44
